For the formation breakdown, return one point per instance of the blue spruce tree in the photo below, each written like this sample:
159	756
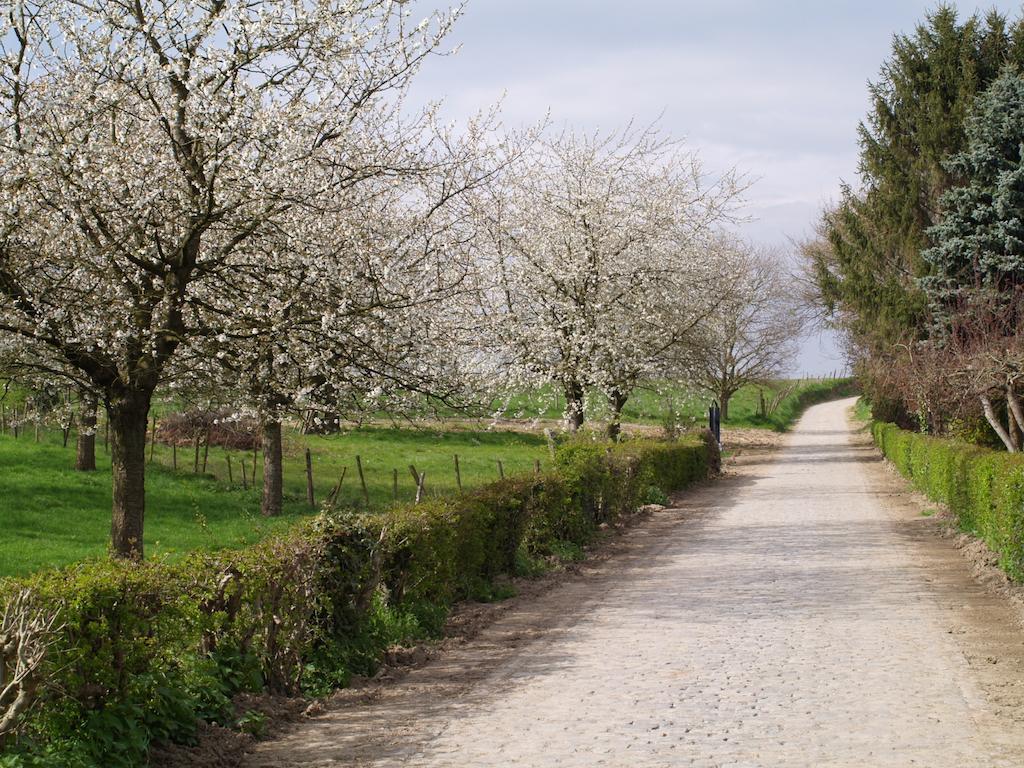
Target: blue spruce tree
979	249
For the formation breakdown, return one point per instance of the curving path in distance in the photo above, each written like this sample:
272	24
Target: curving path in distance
800	612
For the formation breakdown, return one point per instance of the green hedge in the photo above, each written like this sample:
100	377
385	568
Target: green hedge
982	487
146	650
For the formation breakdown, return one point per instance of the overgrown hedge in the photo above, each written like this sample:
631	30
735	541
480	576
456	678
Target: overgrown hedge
148	649
982	487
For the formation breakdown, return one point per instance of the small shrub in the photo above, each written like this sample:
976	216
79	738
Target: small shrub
567	551
654	495
252	722
220	427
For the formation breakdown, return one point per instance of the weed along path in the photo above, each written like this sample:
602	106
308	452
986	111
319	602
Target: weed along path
800	612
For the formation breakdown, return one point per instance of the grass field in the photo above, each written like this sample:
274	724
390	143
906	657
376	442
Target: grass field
51	515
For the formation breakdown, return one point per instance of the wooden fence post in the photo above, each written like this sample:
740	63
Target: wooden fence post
206	450
332	498
174	456
362	480
420	478
501	470
394	483
420	486
195	463
458	474
536	466
231	477
309	479
245	481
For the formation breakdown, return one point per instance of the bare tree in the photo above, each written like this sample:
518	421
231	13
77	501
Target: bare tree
26	634
753	333
982	354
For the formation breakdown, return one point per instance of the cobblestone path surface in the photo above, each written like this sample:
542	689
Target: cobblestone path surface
797	613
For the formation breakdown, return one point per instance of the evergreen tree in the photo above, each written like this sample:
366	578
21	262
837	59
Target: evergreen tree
980	240
869	271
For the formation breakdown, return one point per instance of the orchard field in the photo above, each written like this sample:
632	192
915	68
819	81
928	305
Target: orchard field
52	515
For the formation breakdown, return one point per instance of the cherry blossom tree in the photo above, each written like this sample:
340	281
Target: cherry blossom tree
148	146
596	248
352	319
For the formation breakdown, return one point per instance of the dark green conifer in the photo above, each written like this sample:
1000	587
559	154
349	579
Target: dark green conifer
870	274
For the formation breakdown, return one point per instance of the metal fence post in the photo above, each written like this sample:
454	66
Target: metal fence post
715	422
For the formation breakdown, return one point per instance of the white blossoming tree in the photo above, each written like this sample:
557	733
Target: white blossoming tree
597	251
351	318
148	146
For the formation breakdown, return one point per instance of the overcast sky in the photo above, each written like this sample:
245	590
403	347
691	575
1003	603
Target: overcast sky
774	89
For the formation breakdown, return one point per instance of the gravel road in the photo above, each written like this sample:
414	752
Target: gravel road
799	612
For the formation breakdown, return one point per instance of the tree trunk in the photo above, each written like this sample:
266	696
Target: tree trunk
574	405
85	453
128	417
723	403
273	471
993	420
1013	403
617	400
1012	429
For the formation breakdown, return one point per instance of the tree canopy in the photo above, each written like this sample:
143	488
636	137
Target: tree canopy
869	274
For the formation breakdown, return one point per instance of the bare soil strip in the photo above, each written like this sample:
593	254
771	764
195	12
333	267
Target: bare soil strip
800	612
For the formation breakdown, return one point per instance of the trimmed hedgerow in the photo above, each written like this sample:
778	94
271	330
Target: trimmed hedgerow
146	650
982	487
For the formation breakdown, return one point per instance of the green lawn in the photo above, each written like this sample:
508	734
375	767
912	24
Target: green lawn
51	515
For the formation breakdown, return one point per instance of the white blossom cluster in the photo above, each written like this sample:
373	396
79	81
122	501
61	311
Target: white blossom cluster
598	263
233	200
235	178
